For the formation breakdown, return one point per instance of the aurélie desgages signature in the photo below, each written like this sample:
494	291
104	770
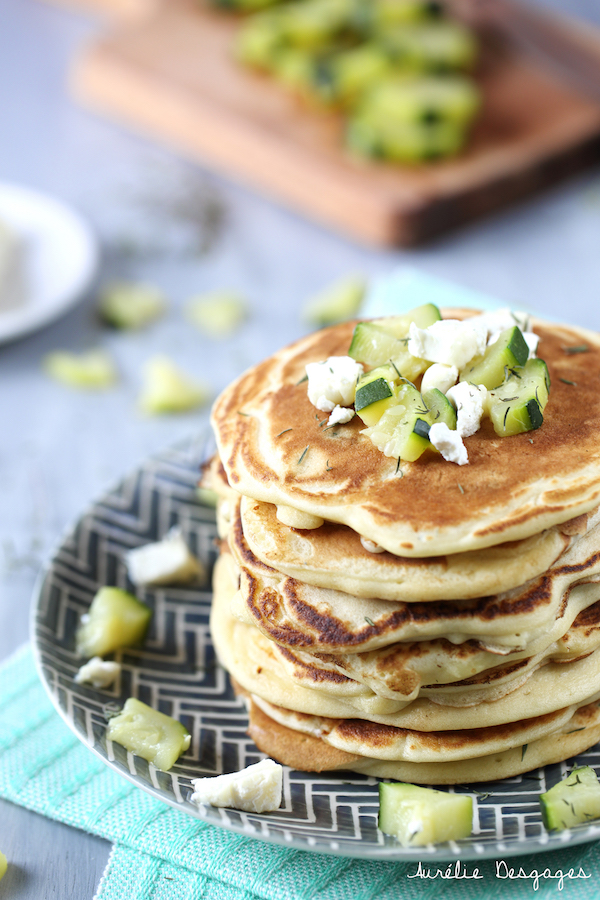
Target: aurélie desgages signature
503	871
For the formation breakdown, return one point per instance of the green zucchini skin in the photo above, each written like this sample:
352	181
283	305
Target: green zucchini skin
508	352
440	408
573	801
382	341
372	392
518	405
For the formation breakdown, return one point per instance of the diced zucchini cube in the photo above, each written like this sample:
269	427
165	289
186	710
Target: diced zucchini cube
336	303
149	733
573	801
130	304
376	391
217	314
429	101
506	353
440	408
382	341
433	47
115	619
92	370
373	345
419	816
518	404
422	316
168	390
402	432
409	143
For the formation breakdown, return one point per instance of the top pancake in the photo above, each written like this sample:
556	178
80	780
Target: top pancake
274	449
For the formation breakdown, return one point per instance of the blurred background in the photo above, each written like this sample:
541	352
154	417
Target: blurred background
161	215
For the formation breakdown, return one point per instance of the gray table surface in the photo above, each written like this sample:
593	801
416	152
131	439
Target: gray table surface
60	449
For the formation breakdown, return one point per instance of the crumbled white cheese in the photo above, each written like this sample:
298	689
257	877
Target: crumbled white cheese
333	382
340	416
256	789
448	341
532	340
371	546
469	401
439	376
98	672
498	320
165	562
449	443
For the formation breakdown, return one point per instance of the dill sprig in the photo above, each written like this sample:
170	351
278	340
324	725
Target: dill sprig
579	348
303	454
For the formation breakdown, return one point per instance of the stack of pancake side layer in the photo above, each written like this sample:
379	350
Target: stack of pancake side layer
426	622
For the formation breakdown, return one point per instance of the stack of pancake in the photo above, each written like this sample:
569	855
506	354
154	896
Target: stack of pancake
419	621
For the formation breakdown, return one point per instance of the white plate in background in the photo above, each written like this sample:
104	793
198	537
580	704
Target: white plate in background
60	258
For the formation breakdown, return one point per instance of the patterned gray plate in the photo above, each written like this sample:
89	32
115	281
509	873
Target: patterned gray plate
176	672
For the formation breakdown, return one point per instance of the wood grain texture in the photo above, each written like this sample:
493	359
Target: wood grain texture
173	76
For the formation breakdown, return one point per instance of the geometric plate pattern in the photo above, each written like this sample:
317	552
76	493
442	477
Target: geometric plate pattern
176	672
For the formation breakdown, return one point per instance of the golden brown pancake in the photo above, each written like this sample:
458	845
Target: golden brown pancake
302	616
256	664
333	556
274	448
436	669
313	754
378	741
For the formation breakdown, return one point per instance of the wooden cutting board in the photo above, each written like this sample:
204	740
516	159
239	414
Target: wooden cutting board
123	9
172	76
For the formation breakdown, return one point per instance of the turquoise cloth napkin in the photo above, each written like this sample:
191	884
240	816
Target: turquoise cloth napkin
405	287
162	854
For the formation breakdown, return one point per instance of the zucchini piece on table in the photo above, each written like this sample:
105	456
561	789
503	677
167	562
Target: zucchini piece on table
419	816
573	801
130	304
149	733
91	370
168	390
115	619
338	301
518	404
